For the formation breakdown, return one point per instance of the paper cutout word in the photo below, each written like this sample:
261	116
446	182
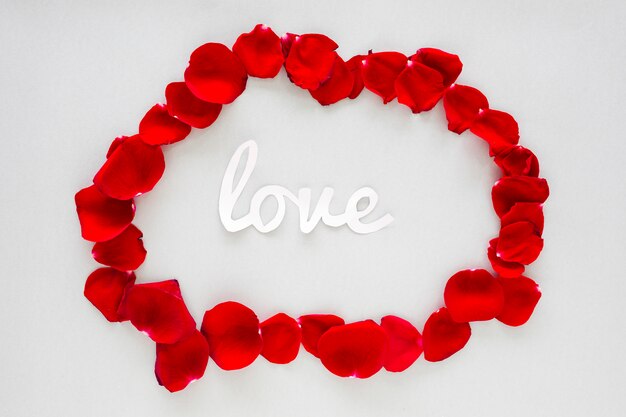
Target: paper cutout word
230	193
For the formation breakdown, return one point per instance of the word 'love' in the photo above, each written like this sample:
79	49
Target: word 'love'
230	193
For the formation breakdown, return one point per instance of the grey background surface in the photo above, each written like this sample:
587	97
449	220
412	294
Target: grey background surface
73	75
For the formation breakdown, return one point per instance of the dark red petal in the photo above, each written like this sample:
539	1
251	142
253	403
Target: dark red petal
405	343
380	70
182	104
158	310
503	268
519	242
314	326
102	217
497	128
158	127
105	288
525	212
116	142
310	60
473	295
419	87
124	252
232	331
353	350
181	363
286	41
260	51
520	298
132	169
443	337
447	64
354	65
462	105
337	87
281	338
518	161
215	74
518	189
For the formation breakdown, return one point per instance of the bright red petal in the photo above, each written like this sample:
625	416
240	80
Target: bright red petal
124	252
518	161
260	51
232	331
518	189
503	268
520	298
380	70
181	363
405	343
462	105
281	338
158	310
182	104
525	212
310	60
497	128
102	217
158	127
105	288
354	350
519	242
337	87
447	64
443	337
354	65
473	295
314	326
286	41
419	87
116	142
133	169
215	74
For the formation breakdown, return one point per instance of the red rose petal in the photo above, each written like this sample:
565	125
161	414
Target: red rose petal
353	350
520	298
232	331
181	363
314	326
519	242
337	87
281	338
462	105
132	169
419	87
286	41
497	128
443	337
380	70
182	104
116	142
405	343
158	310
518	161
158	127
105	288
215	74
102	217
310	60
124	252
260	51
525	212
447	64
354	65
503	268
473	295
518	189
